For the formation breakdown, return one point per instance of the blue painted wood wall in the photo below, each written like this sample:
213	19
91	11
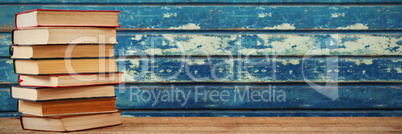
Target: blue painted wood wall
351	50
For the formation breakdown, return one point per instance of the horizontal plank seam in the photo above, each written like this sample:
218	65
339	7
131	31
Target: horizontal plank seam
240	56
3	84
211	3
212	31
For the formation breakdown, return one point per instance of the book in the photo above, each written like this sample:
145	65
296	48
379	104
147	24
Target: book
65	66
69	80
70	122
63	18
64	107
47	94
64	35
61	51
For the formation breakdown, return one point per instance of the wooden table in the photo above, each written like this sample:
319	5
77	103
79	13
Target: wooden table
238	124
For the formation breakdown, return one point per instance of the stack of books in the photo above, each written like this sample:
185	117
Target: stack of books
66	69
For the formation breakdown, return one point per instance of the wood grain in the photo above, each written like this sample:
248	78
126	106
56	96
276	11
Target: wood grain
233	17
248	70
261	70
238	125
249	113
251	44
201	97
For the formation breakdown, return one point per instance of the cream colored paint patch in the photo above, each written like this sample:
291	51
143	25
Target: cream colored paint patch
286	62
198	44
262	15
154	51
369	45
284	26
336	15
356	26
359	62
398	70
137	37
168	15
9	61
187	26
304	45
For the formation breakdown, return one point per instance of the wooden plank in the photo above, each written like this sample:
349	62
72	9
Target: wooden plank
253	44
262	97
199	2
258	120
201	96
5	42
262	70
6	102
258	44
8	76
245	70
238	125
233	17
259	114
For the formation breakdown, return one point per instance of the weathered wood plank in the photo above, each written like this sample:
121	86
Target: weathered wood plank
249	70
6	102
253	44
236	125
7	75
196	2
213	17
201	96
262	70
5	42
259	44
244	113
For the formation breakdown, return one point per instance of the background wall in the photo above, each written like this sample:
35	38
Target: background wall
356	43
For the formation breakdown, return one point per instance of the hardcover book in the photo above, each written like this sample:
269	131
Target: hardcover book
61	51
63	18
65	66
64	35
70	122
69	80
65	107
46	94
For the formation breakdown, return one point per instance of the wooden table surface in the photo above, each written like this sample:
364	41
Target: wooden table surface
238	124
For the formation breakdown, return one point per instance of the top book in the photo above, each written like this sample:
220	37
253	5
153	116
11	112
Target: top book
66	18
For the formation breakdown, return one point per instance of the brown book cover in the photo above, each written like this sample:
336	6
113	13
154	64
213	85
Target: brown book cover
65	107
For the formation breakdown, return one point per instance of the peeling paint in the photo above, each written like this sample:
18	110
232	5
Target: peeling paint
261	70
234	17
167	15
284	26
258	44
262	15
360	61
9	62
187	26
357	26
336	15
